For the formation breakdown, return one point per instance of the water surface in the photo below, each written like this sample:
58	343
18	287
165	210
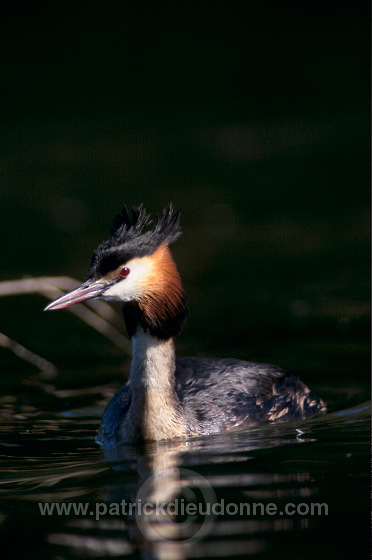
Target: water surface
48	454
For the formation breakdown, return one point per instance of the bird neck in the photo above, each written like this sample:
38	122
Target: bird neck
155	411
153	362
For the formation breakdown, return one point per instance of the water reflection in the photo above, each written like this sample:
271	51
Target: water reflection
173	504
238	476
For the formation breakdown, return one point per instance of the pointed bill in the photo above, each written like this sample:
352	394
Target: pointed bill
88	290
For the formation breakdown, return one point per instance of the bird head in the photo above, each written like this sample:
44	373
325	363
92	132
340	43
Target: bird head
135	267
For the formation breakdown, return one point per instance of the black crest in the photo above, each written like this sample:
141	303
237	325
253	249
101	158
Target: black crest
128	238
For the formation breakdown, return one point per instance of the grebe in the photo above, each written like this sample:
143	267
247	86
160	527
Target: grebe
165	397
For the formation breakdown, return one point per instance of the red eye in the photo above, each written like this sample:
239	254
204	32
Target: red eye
124	271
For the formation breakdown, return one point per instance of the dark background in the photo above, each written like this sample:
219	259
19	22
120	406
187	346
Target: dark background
253	118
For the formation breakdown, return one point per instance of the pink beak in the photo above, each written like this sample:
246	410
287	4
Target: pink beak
88	290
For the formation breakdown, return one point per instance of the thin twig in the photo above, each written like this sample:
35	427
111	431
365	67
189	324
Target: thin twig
53	286
48	369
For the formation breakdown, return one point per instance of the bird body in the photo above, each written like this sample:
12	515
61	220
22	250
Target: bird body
165	397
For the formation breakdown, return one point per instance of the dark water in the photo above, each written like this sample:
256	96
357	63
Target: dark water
51	457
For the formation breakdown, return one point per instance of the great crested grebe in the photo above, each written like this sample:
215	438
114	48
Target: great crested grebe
165	397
